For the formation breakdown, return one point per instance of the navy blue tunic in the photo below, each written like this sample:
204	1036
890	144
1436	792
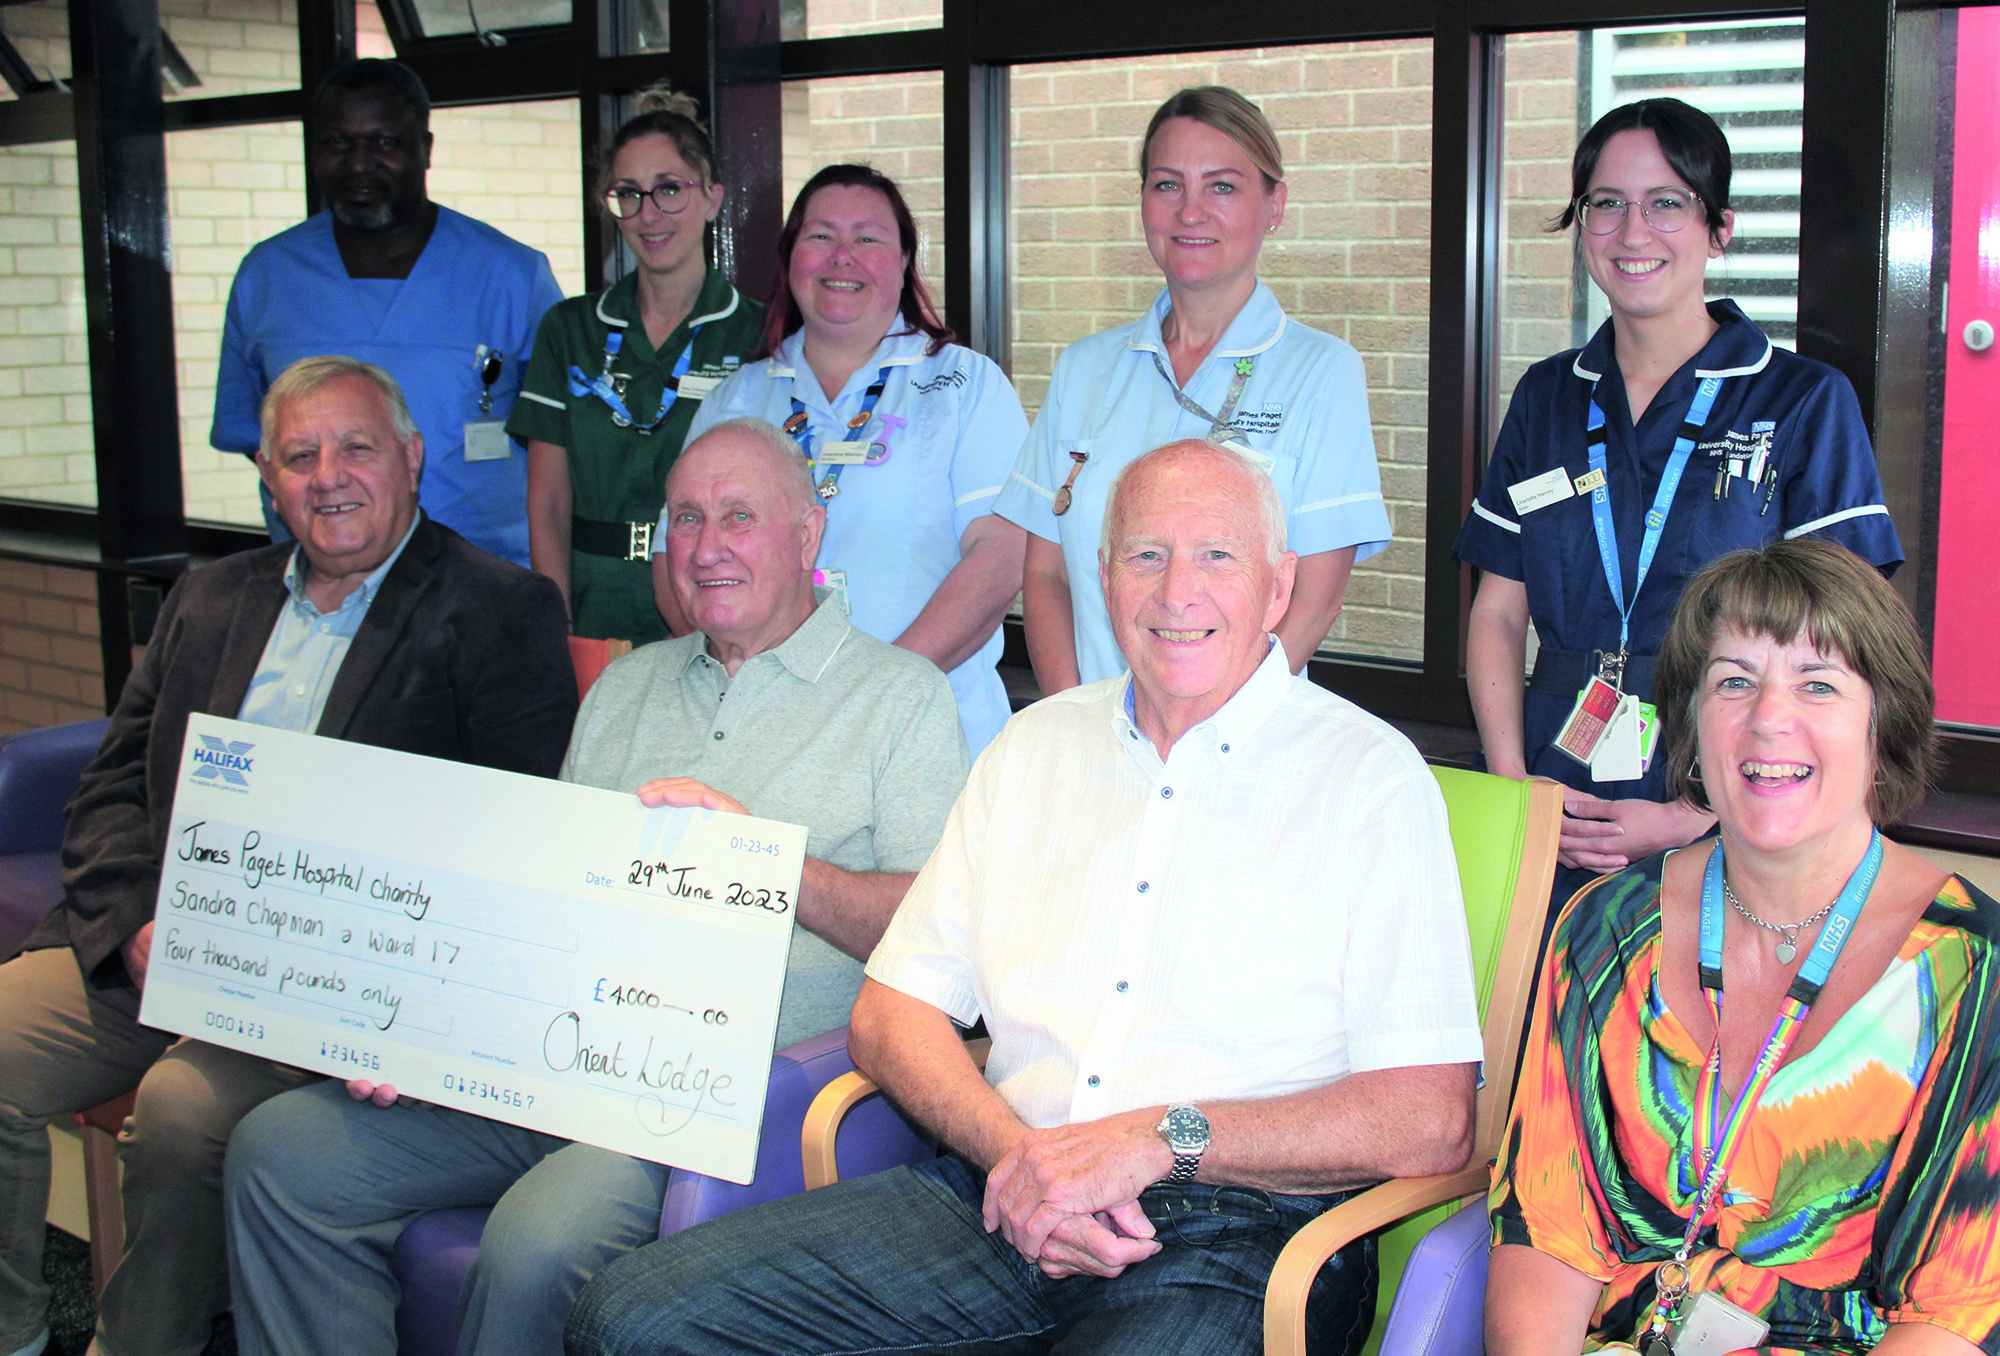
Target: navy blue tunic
1826	486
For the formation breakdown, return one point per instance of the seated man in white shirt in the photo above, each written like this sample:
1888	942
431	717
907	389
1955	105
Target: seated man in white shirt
1211	917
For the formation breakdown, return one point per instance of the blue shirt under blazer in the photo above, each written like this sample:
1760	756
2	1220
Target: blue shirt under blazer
1826	486
1304	410
472	285
952	425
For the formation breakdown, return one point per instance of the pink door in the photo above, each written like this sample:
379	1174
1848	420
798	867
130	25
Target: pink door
1967	653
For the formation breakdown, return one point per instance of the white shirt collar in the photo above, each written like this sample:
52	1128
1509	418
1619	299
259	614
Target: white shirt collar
1246	710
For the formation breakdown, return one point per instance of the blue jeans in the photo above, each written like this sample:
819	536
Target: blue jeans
900	1262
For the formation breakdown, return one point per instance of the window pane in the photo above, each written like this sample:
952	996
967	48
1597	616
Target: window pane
45	430
442	18
1749	76
838	18
227	189
39	31
1352	257
893	122
230	46
516	167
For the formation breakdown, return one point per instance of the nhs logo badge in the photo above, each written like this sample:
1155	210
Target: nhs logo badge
225	761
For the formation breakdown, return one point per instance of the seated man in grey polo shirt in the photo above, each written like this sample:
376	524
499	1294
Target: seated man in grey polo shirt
774	706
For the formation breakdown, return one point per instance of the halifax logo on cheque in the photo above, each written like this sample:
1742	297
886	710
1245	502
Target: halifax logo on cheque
222	761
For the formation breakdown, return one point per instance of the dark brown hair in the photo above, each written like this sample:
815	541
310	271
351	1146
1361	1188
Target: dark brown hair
783	315
1694	148
1842	607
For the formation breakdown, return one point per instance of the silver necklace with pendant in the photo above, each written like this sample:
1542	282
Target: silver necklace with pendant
1788	933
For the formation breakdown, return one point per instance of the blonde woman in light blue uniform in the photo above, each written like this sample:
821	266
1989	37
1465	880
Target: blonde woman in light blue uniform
1214	357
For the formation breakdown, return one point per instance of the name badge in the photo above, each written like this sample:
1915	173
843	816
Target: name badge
486	440
842	454
1550	487
1269	464
694	386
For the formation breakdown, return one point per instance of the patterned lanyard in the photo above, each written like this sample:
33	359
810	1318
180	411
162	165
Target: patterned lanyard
1219	426
829	485
601	386
1716	1138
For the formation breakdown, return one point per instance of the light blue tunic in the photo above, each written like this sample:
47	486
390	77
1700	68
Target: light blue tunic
953	426
472	285
1304	410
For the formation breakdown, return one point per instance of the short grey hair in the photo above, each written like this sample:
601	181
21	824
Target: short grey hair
795	476
307	375
1270	508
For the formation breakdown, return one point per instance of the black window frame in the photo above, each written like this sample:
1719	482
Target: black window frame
729	49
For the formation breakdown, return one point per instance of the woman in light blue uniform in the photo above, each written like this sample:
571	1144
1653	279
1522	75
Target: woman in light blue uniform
910	436
1213	357
1778	450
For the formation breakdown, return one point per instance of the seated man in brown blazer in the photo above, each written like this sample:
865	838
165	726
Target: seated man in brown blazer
379	626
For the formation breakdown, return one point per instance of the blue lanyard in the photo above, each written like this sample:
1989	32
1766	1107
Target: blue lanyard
796	425
601	387
1663	500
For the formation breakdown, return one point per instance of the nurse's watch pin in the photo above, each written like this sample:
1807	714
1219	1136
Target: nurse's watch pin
1063	495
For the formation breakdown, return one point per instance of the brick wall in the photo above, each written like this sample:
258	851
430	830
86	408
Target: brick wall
895	124
45	442
1537	137
50	667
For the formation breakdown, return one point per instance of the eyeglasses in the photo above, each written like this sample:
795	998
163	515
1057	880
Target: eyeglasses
669	196
1601	214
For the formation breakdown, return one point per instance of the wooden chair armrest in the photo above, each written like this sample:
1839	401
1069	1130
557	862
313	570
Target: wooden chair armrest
819	1135
1298	1265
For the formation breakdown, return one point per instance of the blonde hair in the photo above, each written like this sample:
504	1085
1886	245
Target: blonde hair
1229	113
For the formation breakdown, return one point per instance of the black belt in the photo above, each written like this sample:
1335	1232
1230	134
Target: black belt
1562	673
620	541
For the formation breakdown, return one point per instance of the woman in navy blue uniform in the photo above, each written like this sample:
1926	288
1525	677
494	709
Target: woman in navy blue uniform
1752	443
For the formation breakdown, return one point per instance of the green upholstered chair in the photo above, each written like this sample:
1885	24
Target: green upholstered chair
1504	834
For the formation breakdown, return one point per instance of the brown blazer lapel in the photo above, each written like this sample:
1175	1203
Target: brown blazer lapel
403	590
249	632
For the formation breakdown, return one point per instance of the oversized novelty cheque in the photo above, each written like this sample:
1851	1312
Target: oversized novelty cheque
554	956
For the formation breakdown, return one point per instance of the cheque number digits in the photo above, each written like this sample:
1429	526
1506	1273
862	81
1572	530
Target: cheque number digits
481	1090
347	1054
235	1026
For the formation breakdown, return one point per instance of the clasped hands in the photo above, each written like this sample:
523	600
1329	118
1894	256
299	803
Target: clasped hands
1067	1198
679	792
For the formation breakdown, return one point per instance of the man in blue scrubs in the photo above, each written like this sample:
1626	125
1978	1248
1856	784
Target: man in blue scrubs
447	305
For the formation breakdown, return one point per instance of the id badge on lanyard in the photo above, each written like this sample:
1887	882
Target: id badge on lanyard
1607	722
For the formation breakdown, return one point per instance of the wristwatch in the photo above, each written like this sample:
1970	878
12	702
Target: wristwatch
1185	1130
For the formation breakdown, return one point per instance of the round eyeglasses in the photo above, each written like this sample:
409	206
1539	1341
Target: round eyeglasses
1667	210
669	196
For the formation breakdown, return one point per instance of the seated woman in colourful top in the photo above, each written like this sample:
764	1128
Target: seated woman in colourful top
1850	1200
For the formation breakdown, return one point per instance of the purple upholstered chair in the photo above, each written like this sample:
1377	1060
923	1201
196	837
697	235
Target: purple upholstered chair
435	1253
39	771
1440	1307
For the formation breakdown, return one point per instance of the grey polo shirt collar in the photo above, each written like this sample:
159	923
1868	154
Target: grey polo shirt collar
805	654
